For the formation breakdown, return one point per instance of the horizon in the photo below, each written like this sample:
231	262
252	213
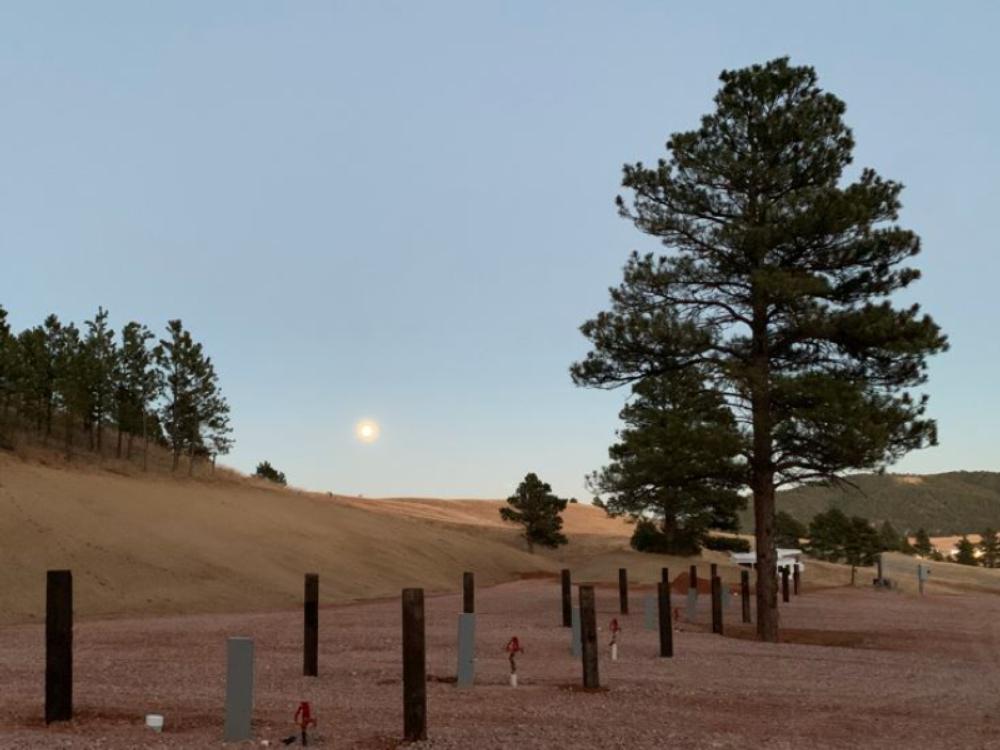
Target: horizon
404	214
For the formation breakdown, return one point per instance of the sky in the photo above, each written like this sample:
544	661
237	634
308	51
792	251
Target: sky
404	211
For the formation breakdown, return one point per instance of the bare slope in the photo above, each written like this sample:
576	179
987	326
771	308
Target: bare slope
160	545
956	502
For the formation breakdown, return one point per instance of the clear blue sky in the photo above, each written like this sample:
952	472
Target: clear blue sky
405	210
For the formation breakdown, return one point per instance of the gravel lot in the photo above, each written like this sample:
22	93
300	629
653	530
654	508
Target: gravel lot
901	672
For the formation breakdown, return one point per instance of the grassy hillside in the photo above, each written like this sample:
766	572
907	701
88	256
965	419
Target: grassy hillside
953	503
157	544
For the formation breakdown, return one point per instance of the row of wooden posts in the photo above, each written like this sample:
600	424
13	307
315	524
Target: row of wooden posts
59	637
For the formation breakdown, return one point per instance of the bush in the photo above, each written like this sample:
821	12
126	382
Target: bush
268	472
648	537
727	544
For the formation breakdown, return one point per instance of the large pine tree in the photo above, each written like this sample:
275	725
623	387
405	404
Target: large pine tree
779	287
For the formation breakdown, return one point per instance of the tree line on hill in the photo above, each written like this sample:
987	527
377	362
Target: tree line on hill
58	380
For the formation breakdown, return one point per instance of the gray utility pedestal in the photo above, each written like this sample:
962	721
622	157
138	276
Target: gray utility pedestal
692	604
575	647
239	689
649	612
466	650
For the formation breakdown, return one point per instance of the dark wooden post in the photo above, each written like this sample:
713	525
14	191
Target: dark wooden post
693	577
796	579
713	571
588	637
745	593
58	646
623	590
784	583
567	599
310	643
666	625
716	604
468	593
665	575
414	667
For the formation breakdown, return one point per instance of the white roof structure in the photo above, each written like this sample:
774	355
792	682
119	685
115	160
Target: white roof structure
785	557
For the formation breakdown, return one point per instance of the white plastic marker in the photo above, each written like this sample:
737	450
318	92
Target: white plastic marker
615	629
155	722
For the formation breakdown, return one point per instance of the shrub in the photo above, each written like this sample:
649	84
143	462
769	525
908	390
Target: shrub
727	544
648	537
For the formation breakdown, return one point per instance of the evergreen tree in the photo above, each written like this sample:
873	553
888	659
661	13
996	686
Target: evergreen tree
861	544
98	367
268	472
780	288
178	357
828	535
889	538
922	544
8	376
788	530
535	507
676	462
965	552
905	547
138	384
989	546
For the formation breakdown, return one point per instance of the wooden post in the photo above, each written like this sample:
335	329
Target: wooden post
414	667
623	590
784	583
58	646
796	579
666	626
745	593
310	644
665	575
713	571
588	637
716	604
693	577
567	599
468	593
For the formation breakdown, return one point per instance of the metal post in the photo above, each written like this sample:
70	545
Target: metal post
239	690
414	667
567	599
466	649
468	593
623	590
310	648
58	646
666	626
588	637
745	593
717	605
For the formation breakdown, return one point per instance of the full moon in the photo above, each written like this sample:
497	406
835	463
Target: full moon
366	431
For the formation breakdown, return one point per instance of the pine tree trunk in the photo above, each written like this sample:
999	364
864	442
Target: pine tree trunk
762	477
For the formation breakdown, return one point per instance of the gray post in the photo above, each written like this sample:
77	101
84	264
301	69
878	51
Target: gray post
878	562
692	595
567	599
239	689
745	593
414	667
466	649
666	626
310	649
623	590
588	637
717	605
574	646
468	593
649	612
58	646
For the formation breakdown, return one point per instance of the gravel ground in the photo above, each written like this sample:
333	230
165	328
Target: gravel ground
902	672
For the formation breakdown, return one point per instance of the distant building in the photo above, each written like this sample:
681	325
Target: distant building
790	557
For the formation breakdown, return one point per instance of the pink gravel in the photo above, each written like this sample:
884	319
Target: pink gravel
904	672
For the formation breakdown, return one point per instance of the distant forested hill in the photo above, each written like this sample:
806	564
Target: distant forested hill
953	503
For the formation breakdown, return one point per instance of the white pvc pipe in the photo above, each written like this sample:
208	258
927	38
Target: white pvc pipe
154	722
513	679
614	652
